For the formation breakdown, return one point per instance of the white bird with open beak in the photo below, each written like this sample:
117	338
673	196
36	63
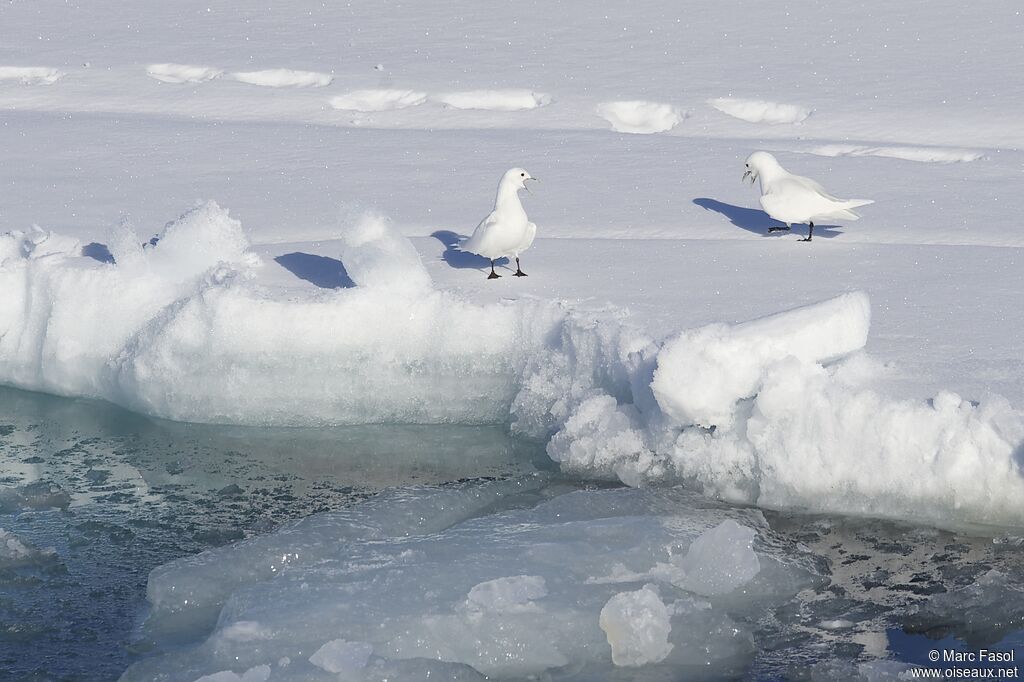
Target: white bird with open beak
506	232
795	199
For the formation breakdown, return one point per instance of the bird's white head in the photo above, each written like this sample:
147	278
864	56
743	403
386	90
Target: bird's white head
516	178
759	164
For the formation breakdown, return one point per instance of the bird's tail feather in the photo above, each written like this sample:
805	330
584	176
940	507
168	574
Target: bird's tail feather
854	203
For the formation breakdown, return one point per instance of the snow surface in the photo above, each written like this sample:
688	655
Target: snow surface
378	100
30	75
640	117
283	78
495	100
182	73
760	111
919	154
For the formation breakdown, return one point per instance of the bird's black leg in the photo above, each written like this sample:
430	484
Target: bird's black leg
493	274
778	229
519	271
810	231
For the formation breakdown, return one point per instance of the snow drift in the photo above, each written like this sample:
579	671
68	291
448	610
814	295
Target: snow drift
640	117
760	111
193	338
780	412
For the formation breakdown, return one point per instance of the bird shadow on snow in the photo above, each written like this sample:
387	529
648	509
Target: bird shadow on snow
98	251
321	271
757	221
457	258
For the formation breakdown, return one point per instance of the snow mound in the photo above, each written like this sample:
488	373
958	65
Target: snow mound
182	73
490	578
495	100
194	339
760	111
284	78
919	154
30	75
378	100
703	373
640	117
761	419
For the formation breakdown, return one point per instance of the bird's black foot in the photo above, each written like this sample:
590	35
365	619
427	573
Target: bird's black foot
519	273
493	275
778	229
805	239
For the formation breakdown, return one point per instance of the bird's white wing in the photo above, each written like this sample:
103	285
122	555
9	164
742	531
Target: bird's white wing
813	186
479	238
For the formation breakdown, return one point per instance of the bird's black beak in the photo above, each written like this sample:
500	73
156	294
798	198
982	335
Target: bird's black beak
527	187
748	174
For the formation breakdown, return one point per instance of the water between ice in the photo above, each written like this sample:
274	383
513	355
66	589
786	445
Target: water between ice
93	498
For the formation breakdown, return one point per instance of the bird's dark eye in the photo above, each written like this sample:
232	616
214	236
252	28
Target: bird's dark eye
522	175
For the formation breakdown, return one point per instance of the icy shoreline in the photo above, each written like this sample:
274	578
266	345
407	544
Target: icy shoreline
779	412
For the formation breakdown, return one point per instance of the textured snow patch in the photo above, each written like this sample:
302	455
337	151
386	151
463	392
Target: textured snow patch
182	73
703	373
496	100
604	438
378	100
341	656
30	75
760	111
919	154
284	78
720	560
637	626
640	117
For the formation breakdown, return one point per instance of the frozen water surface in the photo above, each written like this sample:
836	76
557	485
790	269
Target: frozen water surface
388	552
93	497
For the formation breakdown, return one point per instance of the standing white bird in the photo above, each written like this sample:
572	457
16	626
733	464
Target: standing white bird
796	199
506	231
